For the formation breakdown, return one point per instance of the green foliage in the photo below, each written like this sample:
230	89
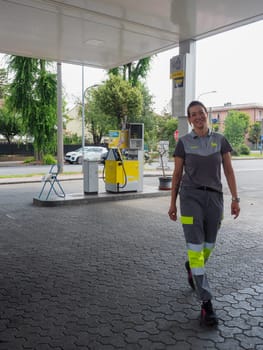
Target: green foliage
254	133
216	127
72	139
33	95
244	149
166	126
3	82
133	71
10	124
236	126
98	121
246	119
48	159
116	98
170	127
29	160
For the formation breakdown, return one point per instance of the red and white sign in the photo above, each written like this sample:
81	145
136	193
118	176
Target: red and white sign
176	135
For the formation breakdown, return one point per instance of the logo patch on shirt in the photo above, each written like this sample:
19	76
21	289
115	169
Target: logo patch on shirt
194	147
213	144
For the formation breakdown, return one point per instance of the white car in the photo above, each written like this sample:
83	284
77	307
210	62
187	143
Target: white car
97	153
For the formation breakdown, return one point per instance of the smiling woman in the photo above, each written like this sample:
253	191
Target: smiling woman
198	158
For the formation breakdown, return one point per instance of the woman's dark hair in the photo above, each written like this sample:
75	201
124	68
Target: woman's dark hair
195	103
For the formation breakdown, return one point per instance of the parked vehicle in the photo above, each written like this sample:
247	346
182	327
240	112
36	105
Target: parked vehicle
146	155
97	153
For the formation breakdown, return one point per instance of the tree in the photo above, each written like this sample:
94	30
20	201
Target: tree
10	124
246	119
96	120
133	71
236	126
166	126
148	117
33	95
3	82
116	98
255	133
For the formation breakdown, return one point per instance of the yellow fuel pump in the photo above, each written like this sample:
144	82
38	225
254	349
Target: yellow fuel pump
124	163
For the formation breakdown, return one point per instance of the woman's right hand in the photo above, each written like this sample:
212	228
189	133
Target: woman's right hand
172	212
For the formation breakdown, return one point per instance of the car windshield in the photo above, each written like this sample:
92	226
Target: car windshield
94	149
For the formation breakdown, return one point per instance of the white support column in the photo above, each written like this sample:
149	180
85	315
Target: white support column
60	148
183	73
83	113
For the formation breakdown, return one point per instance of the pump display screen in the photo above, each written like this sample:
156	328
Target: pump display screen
136	131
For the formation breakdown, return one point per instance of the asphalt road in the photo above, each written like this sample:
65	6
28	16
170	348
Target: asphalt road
16	168
248	172
13	169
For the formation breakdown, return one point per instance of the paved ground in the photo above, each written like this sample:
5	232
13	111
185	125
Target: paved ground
110	276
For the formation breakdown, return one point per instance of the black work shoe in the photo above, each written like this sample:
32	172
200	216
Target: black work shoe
208	316
190	277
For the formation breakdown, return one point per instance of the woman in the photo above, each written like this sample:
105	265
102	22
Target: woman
198	157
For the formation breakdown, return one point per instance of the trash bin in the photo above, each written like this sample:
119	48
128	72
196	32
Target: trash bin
90	176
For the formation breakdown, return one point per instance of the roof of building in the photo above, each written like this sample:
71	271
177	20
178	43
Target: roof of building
229	105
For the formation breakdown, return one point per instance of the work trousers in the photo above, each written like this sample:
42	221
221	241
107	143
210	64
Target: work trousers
201	216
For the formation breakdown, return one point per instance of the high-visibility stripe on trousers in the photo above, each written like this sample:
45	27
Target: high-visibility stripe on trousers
201	216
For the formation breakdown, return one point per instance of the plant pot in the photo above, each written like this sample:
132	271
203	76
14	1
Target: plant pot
165	183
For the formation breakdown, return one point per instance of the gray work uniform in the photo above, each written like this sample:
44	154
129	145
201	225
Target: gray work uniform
201	199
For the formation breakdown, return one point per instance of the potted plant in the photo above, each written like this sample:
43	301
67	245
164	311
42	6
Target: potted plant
165	181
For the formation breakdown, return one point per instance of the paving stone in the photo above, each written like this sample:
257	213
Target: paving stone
249	342
95	278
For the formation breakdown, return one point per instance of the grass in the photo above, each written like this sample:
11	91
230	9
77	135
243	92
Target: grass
32	175
18	176
251	155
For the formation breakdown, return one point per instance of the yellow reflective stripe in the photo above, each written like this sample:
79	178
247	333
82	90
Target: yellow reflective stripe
196	259
187	220
208	249
207	253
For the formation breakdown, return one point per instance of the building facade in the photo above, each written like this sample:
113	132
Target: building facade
74	124
217	115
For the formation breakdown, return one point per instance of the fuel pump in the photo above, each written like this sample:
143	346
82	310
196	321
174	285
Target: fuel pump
124	163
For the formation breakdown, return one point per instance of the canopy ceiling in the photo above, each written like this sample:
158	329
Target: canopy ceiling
108	33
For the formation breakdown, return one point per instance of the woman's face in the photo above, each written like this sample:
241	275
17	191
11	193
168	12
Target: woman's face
198	117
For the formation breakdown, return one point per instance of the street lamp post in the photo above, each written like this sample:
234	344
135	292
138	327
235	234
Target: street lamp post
210	108
206	93
83	115
83	111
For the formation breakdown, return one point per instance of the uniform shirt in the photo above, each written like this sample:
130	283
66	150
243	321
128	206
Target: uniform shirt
202	159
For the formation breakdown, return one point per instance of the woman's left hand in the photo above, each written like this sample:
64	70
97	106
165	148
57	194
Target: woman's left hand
235	209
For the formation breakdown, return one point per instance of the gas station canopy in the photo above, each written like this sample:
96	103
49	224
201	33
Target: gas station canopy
109	33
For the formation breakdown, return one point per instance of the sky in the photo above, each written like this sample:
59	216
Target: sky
230	63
